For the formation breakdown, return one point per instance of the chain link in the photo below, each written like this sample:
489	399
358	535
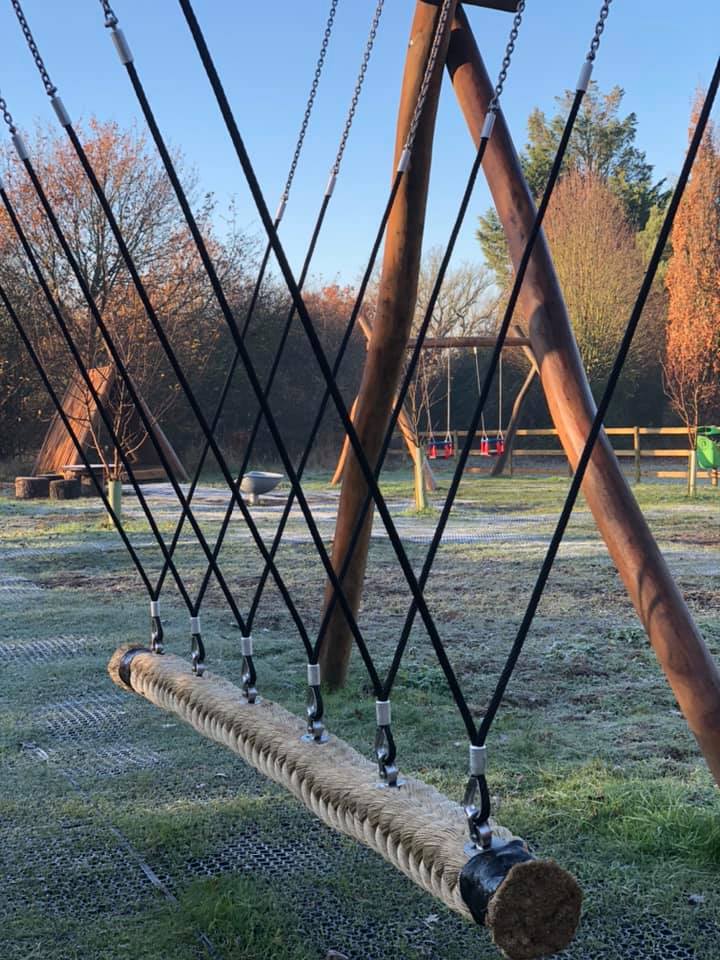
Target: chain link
599	27
311	100
358	87
111	21
7	116
509	50
429	70
50	88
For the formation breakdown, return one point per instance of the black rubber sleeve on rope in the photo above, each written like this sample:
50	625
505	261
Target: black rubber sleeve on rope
126	663
483	874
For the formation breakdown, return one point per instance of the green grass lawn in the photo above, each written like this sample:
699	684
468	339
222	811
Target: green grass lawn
126	835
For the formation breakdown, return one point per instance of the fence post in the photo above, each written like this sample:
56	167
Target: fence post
692	474
714	477
636	448
420	500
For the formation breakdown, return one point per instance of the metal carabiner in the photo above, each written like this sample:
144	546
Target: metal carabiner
315	708
481	836
249	675
197	647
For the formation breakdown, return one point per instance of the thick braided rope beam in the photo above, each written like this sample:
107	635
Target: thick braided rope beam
531	907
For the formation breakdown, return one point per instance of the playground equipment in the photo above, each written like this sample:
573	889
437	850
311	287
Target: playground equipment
454	850
58	454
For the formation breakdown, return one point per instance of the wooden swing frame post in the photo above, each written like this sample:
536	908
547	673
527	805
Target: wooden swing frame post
678	645
391	326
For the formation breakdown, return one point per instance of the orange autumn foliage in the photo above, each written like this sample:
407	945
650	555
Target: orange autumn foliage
692	366
151	222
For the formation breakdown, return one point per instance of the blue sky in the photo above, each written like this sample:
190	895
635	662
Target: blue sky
656	50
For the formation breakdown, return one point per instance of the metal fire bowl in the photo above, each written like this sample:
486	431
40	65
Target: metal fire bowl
258	482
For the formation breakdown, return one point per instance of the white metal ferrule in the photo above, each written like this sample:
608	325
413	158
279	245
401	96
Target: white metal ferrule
122	46
487	127
154	608
478	760
195	625
331	184
246	646
383	713
280	210
60	111
19	144
313	674
585	74
404	161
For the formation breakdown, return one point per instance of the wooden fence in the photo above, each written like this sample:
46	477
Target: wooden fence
629	443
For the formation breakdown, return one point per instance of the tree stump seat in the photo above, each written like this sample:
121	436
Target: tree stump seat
65	489
31	488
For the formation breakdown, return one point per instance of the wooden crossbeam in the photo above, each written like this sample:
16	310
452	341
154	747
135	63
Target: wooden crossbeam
452	343
509	6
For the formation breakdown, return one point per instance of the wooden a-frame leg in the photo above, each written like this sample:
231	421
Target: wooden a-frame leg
678	645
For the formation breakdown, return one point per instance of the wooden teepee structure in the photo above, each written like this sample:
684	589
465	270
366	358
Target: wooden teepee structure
58	450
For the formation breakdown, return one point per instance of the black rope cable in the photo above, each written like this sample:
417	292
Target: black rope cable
405	386
317	348
487	382
82	368
187	389
275	366
90	173
602	409
117	359
503	331
345	342
126	59
229	378
329	190
72	433
417	353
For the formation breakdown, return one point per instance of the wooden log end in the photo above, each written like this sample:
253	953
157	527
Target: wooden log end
531	907
64	489
29	488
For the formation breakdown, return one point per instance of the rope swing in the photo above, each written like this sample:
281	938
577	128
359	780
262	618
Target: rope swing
456	851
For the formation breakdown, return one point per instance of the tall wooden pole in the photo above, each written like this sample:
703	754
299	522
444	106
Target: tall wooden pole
686	661
391	326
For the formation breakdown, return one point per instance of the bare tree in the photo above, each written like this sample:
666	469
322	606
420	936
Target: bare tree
466	306
144	205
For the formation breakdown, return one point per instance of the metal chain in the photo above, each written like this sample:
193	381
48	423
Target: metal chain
429	70
7	116
311	99
599	27
358	87
50	88
111	21
509	50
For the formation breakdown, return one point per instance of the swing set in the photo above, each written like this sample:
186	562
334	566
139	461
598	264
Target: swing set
444	449
454	850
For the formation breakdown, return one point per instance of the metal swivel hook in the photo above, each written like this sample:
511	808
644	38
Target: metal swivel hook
197	647
315	708
156	628
481	837
249	676
385	751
